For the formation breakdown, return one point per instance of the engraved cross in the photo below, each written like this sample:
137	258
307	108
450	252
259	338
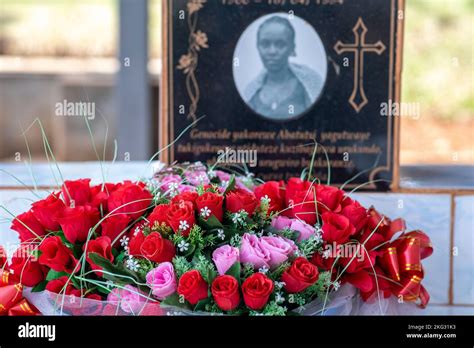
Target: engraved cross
358	98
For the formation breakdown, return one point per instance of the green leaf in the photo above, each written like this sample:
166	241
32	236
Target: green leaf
116	270
201	305
52	275
234	271
231	185
40	287
212	223
174	301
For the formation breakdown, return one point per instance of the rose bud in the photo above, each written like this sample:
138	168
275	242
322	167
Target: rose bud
57	256
159	215
102	247
77	222
186	196
162	280
157	249
47	211
26	268
130	199
115	227
273	191
256	290
193	287
299	276
336	228
239	199
28	227
225	257
225	290
77	192
329	198
211	202
181	217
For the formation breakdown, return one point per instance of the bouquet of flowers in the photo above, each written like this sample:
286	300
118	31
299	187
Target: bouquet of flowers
196	240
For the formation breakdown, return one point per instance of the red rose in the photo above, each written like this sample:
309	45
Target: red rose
213	202
330	198
47	211
59	285
299	276
131	199
136	241
239	199
356	214
324	263
336	228
159	214
181	217
76	222
256	290
225	290
57	256
77	192
26	268
100	194
188	196
293	186
273	191
157	249
193	287
304	206
115	227
102	247
28	227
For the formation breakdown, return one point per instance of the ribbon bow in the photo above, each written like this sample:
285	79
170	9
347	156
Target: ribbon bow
402	261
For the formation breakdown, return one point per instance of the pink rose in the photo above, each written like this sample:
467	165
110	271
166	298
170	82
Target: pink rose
162	280
131	299
251	251
186	188
223	176
167	180
281	222
279	248
305	230
224	257
197	178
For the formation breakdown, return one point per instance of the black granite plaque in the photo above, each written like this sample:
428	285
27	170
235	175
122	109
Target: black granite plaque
274	76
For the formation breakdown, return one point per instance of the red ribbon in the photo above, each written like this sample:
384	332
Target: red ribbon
402	261
12	302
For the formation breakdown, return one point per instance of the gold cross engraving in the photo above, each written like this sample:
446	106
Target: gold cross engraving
358	98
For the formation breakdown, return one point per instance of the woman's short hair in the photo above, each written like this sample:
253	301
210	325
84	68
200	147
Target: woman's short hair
279	20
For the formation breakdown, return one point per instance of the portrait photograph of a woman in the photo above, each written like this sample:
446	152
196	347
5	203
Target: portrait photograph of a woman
278	85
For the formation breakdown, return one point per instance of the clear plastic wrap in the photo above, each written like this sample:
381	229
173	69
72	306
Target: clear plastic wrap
345	301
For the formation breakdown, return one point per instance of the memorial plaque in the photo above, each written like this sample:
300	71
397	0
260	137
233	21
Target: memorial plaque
273	77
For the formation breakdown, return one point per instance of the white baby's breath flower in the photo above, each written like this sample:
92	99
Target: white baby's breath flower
279	285
124	241
220	233
183	225
279	298
265	200
211	174
132	264
237	218
224	183
263	270
336	285
183	246
205	212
